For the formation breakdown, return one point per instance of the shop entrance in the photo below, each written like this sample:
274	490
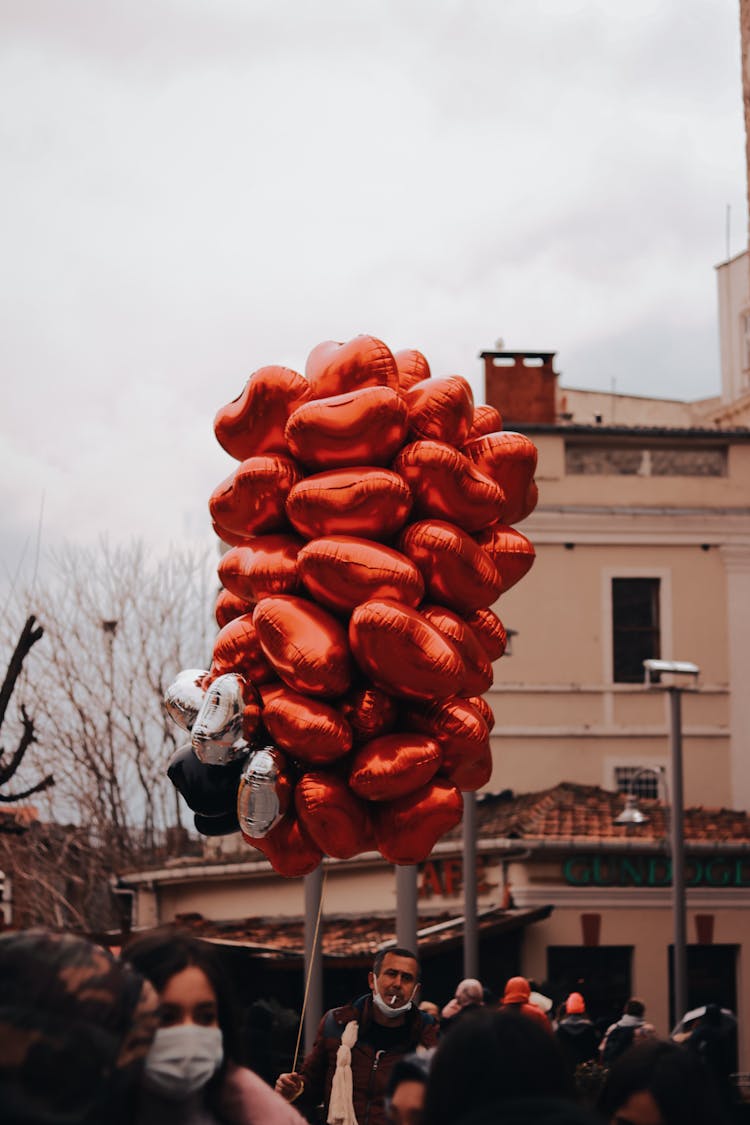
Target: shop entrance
712	978
601	973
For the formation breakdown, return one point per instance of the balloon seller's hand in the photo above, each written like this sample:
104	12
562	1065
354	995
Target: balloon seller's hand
290	1086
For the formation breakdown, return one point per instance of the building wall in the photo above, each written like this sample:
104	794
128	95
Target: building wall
559	715
734	337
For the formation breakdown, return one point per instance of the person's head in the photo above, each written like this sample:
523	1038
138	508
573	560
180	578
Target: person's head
75	1027
431	1009
197	1032
712	1016
406	1089
658	1083
635	1007
575	1005
470	991
492	1055
517	991
394	982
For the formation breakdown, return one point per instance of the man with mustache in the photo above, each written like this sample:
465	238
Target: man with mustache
357	1046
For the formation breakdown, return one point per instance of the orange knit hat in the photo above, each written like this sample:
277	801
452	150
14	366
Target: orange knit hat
575	1005
517	991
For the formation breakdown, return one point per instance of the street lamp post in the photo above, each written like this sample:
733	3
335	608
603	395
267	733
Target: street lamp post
676	820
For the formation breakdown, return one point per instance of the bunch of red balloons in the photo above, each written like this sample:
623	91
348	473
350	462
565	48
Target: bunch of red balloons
370	523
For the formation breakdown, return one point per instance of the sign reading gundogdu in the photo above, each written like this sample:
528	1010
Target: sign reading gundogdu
655	871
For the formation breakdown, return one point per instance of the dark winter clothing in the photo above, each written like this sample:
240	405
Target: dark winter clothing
529	1111
578	1039
374	1055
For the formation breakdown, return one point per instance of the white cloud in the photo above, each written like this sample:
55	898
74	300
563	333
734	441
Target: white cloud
191	191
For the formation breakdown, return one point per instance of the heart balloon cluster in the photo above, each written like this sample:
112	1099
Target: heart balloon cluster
370	528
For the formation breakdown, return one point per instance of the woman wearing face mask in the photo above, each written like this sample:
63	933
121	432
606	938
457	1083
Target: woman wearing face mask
190	1076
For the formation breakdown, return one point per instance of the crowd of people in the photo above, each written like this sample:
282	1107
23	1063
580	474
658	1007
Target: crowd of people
150	1038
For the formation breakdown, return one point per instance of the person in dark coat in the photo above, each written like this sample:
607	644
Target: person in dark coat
500	1066
75	1029
576	1033
659	1081
361	1042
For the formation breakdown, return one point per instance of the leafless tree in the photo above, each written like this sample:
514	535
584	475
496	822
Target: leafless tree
118	627
9	766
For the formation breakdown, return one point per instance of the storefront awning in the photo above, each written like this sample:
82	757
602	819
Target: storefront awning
352	942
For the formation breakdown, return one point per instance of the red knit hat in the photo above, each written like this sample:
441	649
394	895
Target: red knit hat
575	1005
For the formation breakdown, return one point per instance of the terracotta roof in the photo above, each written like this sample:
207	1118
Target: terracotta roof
347	941
589	429
571	810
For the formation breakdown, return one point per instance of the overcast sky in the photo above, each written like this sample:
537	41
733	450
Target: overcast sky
196	188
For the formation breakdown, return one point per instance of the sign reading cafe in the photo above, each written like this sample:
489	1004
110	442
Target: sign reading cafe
655	871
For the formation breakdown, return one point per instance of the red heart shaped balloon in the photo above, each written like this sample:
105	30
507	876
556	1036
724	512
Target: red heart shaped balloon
480	704
489	631
512	553
445	485
264	566
254	423
369	711
331	815
308	729
510	459
251	500
440	409
333	368
237	649
477	665
305	644
463	737
408	828
363	427
370	502
341	571
456	571
487	420
228	607
288	848
412	368
402	652
393	765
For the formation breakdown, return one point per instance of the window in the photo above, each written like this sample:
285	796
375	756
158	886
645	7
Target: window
635	627
637	780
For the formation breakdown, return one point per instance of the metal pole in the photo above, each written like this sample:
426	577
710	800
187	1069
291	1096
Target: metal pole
471	941
406	907
313	959
677	846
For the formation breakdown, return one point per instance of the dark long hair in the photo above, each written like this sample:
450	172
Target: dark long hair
488	1056
677	1081
158	956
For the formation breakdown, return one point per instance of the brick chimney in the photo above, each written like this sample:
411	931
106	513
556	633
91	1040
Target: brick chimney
522	386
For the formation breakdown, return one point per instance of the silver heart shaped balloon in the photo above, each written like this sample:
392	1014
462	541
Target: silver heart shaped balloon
217	730
184	697
258	805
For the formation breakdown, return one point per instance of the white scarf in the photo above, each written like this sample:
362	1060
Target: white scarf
341	1105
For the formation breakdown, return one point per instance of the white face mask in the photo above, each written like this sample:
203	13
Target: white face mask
389	1012
182	1059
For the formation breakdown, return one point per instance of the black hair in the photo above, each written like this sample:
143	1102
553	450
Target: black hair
159	955
410	1068
681	1087
489	1056
397	952
635	1007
